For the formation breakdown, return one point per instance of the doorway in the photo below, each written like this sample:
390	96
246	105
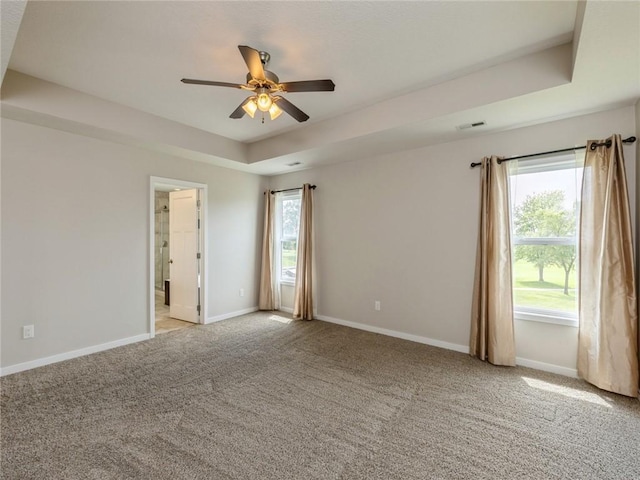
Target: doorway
177	247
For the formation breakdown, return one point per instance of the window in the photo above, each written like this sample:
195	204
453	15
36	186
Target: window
545	203
287	225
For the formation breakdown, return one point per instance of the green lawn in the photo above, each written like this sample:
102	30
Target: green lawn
528	291
288	258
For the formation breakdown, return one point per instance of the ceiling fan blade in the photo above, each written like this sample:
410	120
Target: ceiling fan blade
239	112
309	86
208	82
252	59
291	109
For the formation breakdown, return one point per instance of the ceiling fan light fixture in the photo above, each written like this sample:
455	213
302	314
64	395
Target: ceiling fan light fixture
250	106
274	111
264	102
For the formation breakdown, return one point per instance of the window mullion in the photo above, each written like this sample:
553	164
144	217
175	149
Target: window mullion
545	198
288	221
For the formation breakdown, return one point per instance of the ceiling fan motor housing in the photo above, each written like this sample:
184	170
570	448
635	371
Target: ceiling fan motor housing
271	79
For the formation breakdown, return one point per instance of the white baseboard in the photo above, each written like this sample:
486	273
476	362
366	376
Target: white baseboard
523	362
547	367
394	333
225	316
40	362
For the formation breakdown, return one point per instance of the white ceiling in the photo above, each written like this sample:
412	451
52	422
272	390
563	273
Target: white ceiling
379	54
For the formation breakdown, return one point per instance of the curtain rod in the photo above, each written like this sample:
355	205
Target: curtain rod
593	147
312	187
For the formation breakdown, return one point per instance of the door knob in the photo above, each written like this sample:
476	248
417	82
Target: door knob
171	261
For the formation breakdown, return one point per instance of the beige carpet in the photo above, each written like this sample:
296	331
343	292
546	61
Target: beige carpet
258	398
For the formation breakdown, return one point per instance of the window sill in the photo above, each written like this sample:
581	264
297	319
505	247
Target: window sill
546	318
289	283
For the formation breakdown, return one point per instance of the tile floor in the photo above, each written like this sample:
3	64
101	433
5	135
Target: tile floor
164	323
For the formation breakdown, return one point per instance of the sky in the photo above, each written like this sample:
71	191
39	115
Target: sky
567	179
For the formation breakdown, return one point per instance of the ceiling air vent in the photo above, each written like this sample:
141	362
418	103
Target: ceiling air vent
471	125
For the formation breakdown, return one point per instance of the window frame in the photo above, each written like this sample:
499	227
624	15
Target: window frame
280	237
545	164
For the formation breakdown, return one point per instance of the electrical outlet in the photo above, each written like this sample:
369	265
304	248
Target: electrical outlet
28	331
242	292
376	305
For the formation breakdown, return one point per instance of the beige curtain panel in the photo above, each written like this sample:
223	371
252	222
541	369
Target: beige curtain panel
303	296
608	333
492	334
267	297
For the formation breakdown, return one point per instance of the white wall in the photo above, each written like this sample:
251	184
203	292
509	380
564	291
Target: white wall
637	230
75	233
637	145
402	229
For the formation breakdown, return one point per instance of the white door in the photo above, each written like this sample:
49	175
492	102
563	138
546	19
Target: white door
183	254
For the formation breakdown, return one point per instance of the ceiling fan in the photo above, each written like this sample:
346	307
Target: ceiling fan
265	85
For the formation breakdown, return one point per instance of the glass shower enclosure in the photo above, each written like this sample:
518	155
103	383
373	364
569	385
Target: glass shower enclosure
161	239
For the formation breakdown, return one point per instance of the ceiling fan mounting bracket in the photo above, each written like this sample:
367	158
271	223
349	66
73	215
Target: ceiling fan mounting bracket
264	57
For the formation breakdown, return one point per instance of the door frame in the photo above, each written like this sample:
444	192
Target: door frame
155	182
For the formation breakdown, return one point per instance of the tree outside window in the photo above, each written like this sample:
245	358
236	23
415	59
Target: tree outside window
289	236
544	224
543	215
